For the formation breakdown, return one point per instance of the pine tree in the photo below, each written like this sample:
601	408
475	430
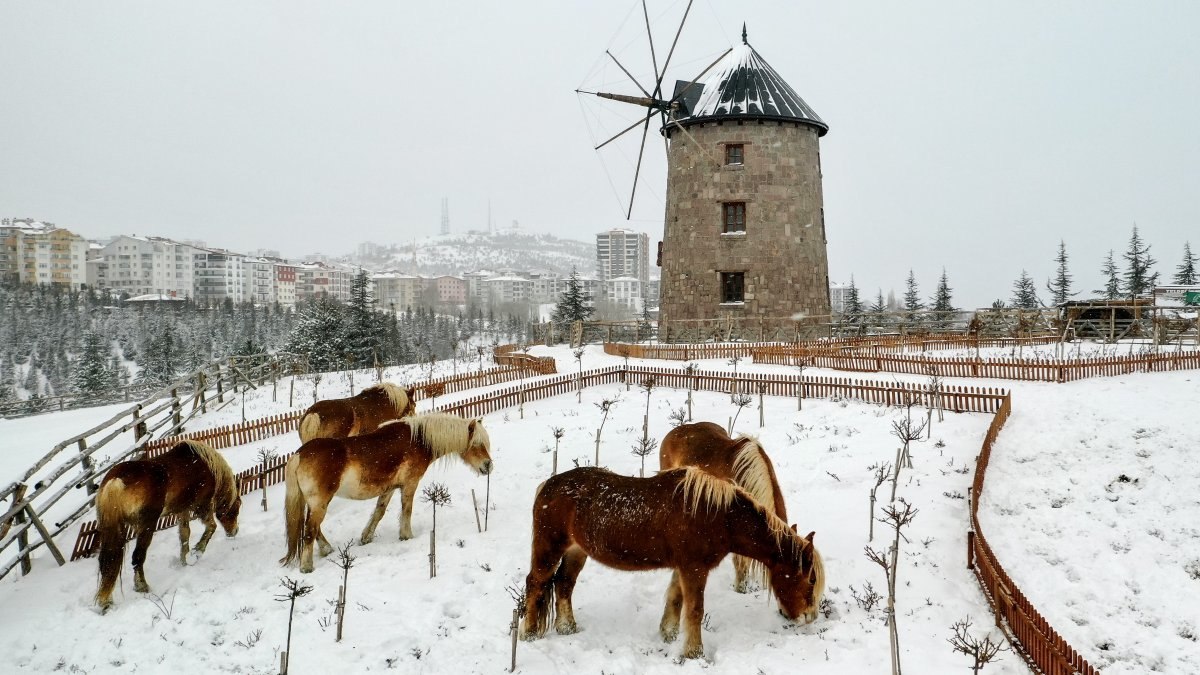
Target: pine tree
363	328
1024	293
942	302
853	305
1138	279
880	305
912	298
571	305
1112	282
1186	273
320	334
1060	286
91	372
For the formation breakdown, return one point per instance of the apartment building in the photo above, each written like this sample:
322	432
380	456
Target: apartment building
623	253
134	266
285	283
450	290
626	293
36	252
396	292
316	279
220	275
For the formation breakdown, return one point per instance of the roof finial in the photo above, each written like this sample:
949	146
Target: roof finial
744	33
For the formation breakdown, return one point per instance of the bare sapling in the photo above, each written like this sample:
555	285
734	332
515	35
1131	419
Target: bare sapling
487	499
802	362
350	372
480	349
762	421
316	380
605	406
881	474
292	589
623	352
432	391
906	431
265	457
345	561
982	652
897	519
517	593
740	401
433	359
933	393
642	448
557	432
436	495
378	366
579	385
647	385
690	369
733	384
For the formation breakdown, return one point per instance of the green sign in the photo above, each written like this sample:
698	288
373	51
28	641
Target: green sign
1192	298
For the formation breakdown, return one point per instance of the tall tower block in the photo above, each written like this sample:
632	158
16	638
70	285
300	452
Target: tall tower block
744	235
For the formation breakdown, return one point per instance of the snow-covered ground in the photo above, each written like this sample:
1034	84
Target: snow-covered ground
1115	576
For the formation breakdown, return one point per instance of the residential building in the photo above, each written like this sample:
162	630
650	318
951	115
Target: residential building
450	290
315	279
623	253
625	293
396	292
477	288
546	287
837	297
508	290
42	253
220	275
134	266
285	283
260	278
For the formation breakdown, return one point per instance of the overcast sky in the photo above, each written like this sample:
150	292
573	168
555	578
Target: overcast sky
969	136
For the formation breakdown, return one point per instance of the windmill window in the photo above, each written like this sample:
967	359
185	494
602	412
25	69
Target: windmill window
734	153
733	287
735	217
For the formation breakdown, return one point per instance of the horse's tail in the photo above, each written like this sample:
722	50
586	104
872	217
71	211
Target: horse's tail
110	530
310	426
294	510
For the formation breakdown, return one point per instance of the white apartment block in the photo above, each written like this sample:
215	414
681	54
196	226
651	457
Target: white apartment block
144	266
625	292
260	281
220	275
41	253
315	279
285	283
837	297
511	289
546	287
623	253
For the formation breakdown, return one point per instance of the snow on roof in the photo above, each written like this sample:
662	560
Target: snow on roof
154	297
746	86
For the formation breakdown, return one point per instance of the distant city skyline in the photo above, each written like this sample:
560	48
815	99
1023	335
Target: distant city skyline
970	137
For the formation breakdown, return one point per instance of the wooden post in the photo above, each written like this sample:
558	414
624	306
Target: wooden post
23	538
139	429
282	663
432	555
487	501
292	391
88	465
515	629
970	549
475	504
176	413
341	610
220	387
37	522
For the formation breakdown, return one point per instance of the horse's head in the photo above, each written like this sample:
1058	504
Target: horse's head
798	578
410	408
227	515
478	453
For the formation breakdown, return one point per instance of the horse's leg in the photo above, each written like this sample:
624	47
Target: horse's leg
210	527
741	569
668	628
564	586
185	535
539	592
368	533
409	491
145	534
692	584
312	530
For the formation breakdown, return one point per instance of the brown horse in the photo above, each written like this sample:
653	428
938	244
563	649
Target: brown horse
683	519
742	460
344	417
191	480
393	456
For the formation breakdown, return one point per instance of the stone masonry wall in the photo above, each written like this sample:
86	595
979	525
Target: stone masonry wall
782	252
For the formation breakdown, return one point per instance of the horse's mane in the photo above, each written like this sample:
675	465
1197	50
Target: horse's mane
702	490
752	472
444	433
226	489
395	393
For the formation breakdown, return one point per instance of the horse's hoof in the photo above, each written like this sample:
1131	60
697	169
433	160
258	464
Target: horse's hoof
668	634
105	606
306	569
567	628
364	540
141	587
325	551
741	588
405	537
693	653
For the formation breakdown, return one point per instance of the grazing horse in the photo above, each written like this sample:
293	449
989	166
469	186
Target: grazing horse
683	519
343	417
742	460
393	456
191	480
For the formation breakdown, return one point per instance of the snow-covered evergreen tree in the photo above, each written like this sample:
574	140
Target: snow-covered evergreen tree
320	334
1186	271
572	304
1112	282
1139	277
1060	285
912	298
943	303
91	371
853	306
1024	293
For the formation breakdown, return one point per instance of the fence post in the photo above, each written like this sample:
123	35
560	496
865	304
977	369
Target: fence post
88	465
23	538
139	429
220	390
176	409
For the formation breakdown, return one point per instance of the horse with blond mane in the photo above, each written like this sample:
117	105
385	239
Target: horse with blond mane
191	480
359	414
741	460
683	519
376	464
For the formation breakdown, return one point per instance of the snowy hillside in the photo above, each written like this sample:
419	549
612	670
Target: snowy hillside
456	254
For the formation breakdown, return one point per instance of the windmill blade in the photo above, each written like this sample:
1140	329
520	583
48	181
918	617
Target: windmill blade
650	38
627	73
619	134
638	170
658	82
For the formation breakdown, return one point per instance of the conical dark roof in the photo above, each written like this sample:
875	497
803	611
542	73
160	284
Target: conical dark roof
744	86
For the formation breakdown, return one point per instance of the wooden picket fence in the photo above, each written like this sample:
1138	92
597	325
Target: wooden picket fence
866	345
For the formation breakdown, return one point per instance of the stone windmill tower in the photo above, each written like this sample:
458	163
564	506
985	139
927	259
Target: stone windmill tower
744	235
